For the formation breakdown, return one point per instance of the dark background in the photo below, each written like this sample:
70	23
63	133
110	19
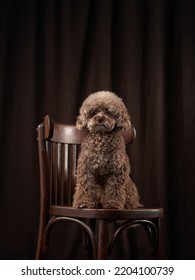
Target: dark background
52	55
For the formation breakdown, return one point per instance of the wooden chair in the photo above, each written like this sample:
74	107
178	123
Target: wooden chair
58	147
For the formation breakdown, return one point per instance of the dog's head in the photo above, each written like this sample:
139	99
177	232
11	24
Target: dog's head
103	111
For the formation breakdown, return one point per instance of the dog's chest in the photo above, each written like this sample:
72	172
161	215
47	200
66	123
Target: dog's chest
101	166
102	147
101	158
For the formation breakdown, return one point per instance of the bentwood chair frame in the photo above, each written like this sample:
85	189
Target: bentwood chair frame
58	146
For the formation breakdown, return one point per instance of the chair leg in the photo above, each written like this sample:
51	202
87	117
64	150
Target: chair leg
102	253
86	240
41	248
40	245
159	238
156	238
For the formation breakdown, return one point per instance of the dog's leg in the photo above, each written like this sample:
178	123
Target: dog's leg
86	195
114	194
132	196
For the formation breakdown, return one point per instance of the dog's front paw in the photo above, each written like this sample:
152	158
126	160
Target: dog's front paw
113	205
85	204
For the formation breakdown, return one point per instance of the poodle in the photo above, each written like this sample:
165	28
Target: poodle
102	177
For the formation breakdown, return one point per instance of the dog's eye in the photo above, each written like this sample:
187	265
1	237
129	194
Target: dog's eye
92	113
109	113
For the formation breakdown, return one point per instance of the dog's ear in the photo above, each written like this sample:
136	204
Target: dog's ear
81	122
124	121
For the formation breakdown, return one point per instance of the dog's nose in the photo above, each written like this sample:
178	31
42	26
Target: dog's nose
99	118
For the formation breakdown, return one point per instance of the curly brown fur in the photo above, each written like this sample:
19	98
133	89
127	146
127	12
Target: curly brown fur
102	179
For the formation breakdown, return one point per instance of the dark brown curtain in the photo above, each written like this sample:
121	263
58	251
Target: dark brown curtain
52	55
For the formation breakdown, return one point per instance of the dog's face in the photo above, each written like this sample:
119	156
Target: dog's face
101	120
103	112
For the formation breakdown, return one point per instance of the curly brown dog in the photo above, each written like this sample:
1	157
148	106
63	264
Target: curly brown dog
102	179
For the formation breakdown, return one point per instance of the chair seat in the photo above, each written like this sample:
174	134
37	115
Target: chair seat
108	214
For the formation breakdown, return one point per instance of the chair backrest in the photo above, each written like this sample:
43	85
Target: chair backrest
59	147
